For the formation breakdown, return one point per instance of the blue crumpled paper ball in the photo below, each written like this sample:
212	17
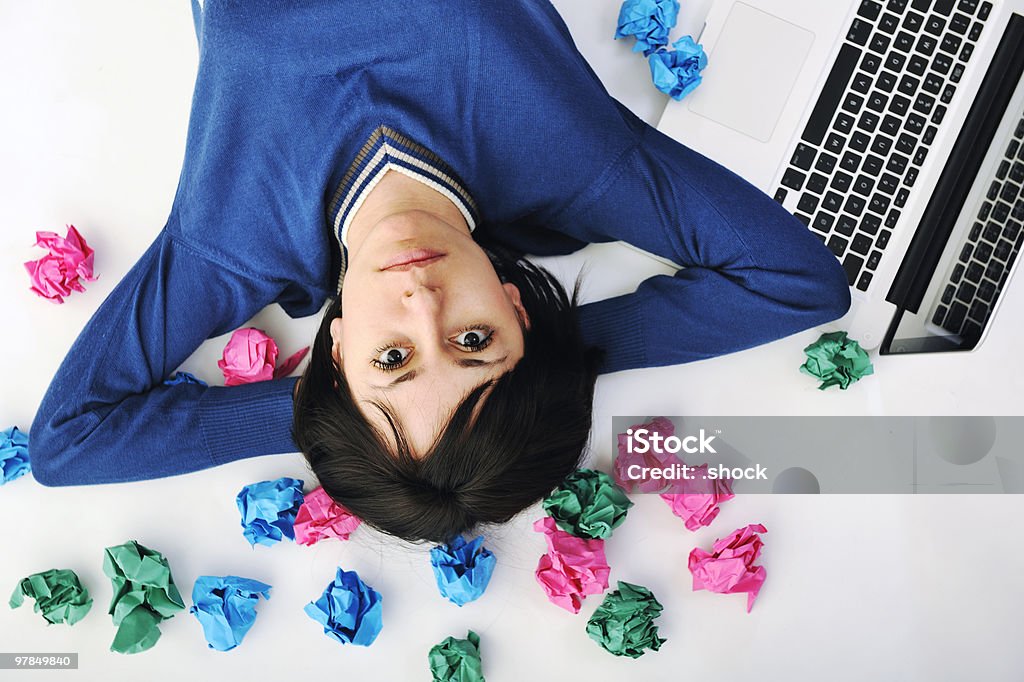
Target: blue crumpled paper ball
183	378
649	21
462	569
226	608
14	460
349	609
676	72
268	510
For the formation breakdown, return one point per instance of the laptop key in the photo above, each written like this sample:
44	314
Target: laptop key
832	202
888	183
947	94
1009	192
958	273
1003	250
1018	210
1004	168
899	105
863	185
879	43
808	203
939	315
853	103
932	82
835	143
823	222
897	163
870	63
993	191
780	195
926	45
911	176
896	6
917	65
838	245
844	123
851	264
877	102
873	260
965	54
985	210
955	318
854	205
924	103
947	295
879	203
909	85
975	33
904	42
960	23
873	164
850	162
901	197
915	124
869	9
881	145
974	272
841	181
971	331
978	311
868	121
860	140
1011	230
991	233
889	23
864	282
803	157
805	219
994	270
885	81
1011	149
859	32
965	292
892	218
826	162
1000	212
835	85
986	291
944	6
870	223
957	73
983	13
883	239
906	144
938	114
861	244
793	179
895	61
968	6
846	225
913	22
817	183
919	157
1017	172
951	43
934	25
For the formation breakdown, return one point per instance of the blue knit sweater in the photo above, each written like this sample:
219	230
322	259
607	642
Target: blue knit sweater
495	98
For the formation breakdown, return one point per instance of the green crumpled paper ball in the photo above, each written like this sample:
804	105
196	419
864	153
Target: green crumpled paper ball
588	504
836	360
144	595
624	622
58	595
457	660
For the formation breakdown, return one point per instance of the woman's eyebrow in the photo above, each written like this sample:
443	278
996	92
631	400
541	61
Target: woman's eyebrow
460	362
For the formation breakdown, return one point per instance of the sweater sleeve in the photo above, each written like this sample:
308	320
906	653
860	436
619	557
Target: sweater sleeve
107	417
751	273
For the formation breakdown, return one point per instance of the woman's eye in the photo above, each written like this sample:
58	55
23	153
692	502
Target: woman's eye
391	358
474	339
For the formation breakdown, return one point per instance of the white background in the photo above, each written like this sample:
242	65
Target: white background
93	115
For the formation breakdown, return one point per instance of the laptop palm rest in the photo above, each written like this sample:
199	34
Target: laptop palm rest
751	71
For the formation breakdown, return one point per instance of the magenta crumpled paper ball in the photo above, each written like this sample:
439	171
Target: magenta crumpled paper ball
251	356
61	271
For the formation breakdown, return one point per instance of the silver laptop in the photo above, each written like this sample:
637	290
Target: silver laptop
893	129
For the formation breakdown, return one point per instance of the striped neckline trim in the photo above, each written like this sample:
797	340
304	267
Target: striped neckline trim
387	149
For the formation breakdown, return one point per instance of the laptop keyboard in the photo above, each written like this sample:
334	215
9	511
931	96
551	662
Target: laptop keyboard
875	119
988	254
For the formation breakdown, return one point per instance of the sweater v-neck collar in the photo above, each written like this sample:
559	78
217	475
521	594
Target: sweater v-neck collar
387	149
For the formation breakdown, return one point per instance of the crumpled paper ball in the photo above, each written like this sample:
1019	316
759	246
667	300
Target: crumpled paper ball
349	609
226	608
268	510
321	517
58	595
676	72
250	356
462	570
657	460
456	660
700	507
836	360
144	595
572	568
649	21
14	459
588	504
624	622
729	568
61	271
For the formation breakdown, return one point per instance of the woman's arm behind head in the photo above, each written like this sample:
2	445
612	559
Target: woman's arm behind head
502	450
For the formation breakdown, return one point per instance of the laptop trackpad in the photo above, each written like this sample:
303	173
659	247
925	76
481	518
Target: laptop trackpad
753	66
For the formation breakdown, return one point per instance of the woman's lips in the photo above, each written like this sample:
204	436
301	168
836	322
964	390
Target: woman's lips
413	258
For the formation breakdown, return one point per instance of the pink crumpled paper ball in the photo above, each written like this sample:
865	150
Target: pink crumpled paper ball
251	356
60	272
652	459
321	517
698	505
572	568
730	568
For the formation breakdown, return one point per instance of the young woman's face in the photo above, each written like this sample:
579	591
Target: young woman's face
425	321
